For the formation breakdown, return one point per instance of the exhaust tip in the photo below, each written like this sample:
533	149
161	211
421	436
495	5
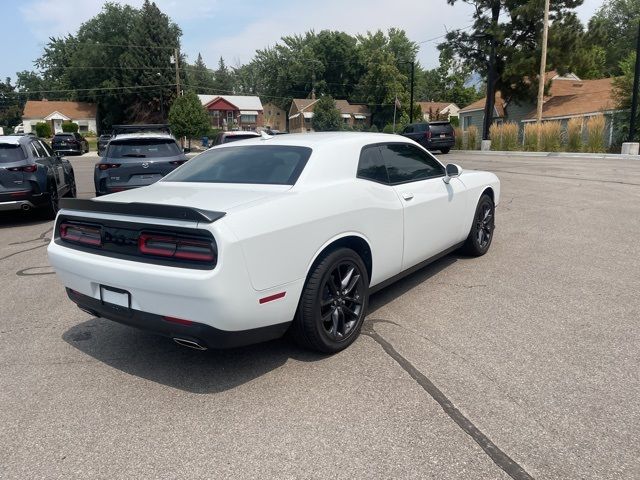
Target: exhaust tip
25	207
189	343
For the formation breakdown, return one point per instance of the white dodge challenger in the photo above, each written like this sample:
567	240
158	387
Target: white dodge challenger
252	239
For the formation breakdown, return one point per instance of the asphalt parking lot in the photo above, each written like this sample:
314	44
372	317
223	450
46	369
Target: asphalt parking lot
523	363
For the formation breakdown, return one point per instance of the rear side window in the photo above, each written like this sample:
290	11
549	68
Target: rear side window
40	151
11	153
143	148
47	148
371	165
255	164
406	163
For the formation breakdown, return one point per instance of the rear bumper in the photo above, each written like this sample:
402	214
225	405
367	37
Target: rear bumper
200	333
16	205
26	201
68	149
437	143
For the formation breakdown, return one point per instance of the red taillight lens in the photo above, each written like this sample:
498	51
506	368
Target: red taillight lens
26	168
177	162
83	234
179	321
176	247
107	166
427	134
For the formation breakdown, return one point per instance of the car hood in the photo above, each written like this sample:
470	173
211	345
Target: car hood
218	197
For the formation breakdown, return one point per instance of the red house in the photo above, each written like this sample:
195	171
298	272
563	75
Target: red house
234	112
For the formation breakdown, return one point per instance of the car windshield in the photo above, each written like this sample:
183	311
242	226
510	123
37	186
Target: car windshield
235	138
255	164
143	148
11	153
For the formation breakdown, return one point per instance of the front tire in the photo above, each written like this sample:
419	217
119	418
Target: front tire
481	234
333	304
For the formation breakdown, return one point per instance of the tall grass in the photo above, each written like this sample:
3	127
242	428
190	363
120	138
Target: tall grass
459	138
531	137
504	136
551	136
574	135
472	138
595	134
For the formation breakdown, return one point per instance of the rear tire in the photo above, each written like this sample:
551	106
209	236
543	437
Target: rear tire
333	303
481	234
445	150
72	192
51	209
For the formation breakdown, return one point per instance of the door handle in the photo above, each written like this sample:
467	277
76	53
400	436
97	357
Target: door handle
407	196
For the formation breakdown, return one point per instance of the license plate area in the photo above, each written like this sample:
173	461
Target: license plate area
115	298
443	135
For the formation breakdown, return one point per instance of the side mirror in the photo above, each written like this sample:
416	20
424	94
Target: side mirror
186	150
452	171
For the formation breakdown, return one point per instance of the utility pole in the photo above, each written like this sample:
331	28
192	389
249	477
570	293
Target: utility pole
634	94
413	65
176	57
543	70
491	72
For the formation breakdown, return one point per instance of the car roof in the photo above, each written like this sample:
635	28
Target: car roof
17	139
241	132
322	139
142	135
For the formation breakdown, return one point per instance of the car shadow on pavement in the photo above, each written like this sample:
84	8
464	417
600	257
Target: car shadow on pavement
19	218
160	360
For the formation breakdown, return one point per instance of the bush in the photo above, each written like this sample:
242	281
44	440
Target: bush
459	138
455	121
551	140
472	138
43	129
595	134
373	128
388	128
574	135
69	127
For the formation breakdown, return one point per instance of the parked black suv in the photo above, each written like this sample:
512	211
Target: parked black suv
136	156
32	175
69	143
437	135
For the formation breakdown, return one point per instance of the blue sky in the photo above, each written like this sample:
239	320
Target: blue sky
235	30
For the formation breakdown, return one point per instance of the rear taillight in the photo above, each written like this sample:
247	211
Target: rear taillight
83	234
177	162
427	134
176	247
107	166
26	168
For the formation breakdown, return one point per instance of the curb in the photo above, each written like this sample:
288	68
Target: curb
594	156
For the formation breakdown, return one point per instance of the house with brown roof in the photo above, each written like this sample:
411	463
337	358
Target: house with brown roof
234	112
354	115
275	118
568	97
438	110
56	112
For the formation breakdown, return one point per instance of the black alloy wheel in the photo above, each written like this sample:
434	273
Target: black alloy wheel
333	303
481	234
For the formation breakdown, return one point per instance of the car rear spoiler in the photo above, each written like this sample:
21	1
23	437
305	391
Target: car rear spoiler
149	210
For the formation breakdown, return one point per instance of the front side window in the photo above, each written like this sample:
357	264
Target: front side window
142	148
255	164
407	163
371	165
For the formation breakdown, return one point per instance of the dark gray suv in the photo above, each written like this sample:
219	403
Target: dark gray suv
32	175
136	156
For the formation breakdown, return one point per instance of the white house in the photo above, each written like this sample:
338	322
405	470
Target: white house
56	112
440	109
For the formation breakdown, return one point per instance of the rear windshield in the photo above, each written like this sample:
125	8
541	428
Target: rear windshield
235	138
143	148
11	153
256	164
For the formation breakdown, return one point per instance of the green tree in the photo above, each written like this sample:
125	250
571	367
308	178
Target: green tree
43	129
69	127
613	29
187	117
31	82
199	77
222	80
516	26
622	92
326	116
10	106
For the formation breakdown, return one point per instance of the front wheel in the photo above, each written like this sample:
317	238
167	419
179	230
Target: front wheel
333	304
481	234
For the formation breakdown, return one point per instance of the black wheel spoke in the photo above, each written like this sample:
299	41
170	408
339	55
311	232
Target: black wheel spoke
341	302
349	288
353	300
